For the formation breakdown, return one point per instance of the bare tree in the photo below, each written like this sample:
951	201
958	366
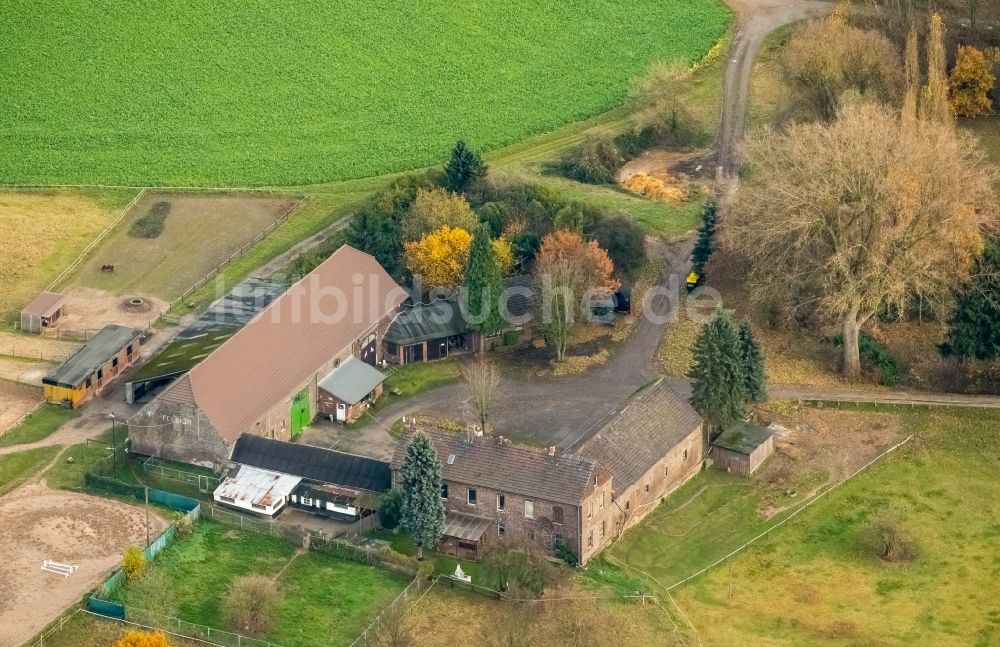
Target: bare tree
513	627
828	57
392	629
850	217
482	380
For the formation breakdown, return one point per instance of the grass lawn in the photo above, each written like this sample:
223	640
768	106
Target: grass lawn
409	380
45	420
85	630
42	232
223	94
330	601
324	600
443	564
987	129
814	581
209	228
69	476
17	468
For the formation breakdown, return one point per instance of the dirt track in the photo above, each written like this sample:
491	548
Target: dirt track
758	18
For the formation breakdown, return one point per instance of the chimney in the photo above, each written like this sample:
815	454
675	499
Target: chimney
552	450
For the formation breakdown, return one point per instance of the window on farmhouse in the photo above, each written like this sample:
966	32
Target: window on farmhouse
604	527
590	539
501	531
529	509
257	506
114	362
472	497
444	490
685	454
501	502
557	514
647	487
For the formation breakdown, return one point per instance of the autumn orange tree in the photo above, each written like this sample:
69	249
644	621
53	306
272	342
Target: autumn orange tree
134	638
970	83
849	218
435	208
569	274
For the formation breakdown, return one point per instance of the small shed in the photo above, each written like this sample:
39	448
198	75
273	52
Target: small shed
44	311
93	367
256	490
742	448
345	393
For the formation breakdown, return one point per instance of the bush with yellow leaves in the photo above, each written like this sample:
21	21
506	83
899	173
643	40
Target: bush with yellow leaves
133	563
655	188
134	638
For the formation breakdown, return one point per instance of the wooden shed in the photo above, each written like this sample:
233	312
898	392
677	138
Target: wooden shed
95	365
347	391
742	448
44	311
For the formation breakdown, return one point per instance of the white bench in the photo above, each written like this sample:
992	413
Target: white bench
59	569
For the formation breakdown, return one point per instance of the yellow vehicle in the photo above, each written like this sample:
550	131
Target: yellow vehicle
693	280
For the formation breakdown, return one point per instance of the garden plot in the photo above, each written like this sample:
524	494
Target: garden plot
84	531
168	242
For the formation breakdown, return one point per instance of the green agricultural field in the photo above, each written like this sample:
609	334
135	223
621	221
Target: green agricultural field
230	93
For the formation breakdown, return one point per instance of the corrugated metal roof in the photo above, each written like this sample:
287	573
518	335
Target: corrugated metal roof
256	486
287	343
742	437
352	380
44	305
94	354
424	321
313	463
652	423
490	463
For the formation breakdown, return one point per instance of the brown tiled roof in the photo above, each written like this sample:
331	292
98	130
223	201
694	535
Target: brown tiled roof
44	304
486	462
652	423
289	341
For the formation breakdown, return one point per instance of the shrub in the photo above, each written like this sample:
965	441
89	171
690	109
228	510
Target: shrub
566	553
595	161
510	337
879	359
519	569
185	525
250	604
655	189
133	563
151	225
622	239
390	509
134	638
887	539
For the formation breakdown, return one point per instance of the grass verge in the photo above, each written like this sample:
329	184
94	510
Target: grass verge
407	381
17	468
38	426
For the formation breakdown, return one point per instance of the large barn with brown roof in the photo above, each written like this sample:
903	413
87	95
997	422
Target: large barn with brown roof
265	379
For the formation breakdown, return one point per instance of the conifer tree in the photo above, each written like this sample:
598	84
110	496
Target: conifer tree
704	246
378	235
482	286
463	168
974	326
423	512
934	105
753	364
718	383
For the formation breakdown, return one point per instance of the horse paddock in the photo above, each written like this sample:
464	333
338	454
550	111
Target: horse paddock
41	524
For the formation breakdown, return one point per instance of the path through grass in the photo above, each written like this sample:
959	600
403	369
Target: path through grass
17	468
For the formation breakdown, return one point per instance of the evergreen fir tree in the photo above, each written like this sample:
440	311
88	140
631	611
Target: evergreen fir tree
464	168
753	364
718	383
704	246
422	511
974	326
378	235
483	284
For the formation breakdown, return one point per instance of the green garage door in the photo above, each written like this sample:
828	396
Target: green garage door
300	413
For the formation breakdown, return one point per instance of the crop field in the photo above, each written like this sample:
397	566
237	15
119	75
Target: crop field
234	94
42	232
198	232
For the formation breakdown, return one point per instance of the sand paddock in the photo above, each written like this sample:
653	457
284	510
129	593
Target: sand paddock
15	401
78	529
